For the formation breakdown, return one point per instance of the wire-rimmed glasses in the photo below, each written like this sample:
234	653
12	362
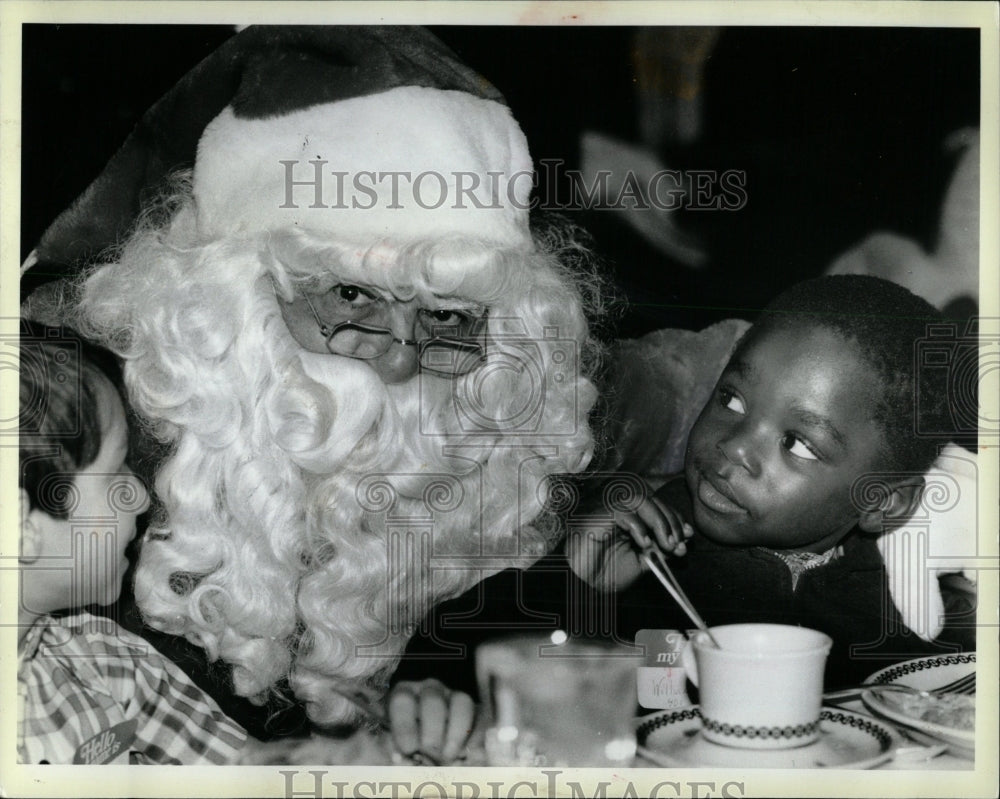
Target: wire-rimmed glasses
448	356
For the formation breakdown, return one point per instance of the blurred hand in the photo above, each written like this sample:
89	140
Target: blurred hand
608	555
429	718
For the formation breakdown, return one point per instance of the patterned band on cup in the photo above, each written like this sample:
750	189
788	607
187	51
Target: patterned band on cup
739	731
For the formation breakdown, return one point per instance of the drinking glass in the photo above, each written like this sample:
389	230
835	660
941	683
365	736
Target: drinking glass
558	704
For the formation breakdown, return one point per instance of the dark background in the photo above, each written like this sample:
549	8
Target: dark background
840	132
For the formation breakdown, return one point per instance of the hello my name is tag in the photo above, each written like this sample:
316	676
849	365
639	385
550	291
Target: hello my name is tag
108	746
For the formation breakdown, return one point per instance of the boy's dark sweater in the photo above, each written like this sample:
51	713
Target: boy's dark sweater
848	599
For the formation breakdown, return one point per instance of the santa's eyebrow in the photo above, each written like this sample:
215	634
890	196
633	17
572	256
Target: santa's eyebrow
456	304
820	422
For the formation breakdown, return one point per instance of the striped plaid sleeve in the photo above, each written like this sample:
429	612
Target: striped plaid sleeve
177	721
63	700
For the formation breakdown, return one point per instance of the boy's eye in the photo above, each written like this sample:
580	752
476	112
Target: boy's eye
798	447
731	401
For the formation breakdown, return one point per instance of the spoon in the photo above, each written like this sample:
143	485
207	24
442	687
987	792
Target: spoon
658	566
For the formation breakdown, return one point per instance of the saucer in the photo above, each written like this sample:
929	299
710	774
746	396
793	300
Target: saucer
926	674
847	740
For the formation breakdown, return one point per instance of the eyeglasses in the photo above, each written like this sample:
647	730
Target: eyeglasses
447	356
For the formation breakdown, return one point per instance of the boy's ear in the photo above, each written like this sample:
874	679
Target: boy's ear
31	533
902	503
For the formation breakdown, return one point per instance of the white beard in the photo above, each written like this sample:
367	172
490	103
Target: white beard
342	521
312	515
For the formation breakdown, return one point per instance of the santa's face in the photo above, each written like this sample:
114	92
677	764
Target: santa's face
323	494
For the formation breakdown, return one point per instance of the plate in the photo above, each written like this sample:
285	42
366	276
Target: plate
846	740
926	674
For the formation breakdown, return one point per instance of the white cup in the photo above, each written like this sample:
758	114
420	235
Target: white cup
762	687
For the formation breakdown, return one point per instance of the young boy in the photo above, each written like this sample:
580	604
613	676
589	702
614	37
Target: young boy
90	691
806	452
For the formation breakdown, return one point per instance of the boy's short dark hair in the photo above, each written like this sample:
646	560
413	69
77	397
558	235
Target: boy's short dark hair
885	321
59	418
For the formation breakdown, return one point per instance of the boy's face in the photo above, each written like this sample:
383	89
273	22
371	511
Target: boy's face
789	428
101	523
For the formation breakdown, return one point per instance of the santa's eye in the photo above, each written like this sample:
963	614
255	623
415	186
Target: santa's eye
448	318
731	401
445	316
798	447
448	322
353	295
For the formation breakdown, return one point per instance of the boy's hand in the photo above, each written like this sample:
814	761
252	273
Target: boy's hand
610	560
428	718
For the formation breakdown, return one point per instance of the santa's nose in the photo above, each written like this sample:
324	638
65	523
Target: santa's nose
397	365
401	361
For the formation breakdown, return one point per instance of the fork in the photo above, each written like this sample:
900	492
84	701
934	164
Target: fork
963	685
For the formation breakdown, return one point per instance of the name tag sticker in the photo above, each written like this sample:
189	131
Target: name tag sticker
663	647
108	746
661	681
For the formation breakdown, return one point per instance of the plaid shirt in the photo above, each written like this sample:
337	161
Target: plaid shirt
91	692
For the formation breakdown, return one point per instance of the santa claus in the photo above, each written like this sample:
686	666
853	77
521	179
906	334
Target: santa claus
363	361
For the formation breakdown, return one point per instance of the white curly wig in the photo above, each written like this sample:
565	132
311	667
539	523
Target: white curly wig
311	515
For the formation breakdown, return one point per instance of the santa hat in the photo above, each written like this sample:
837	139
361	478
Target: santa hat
362	134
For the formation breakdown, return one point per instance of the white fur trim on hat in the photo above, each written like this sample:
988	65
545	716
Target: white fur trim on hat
407	164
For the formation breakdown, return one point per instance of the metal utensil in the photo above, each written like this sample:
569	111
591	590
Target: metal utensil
658	566
963	685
